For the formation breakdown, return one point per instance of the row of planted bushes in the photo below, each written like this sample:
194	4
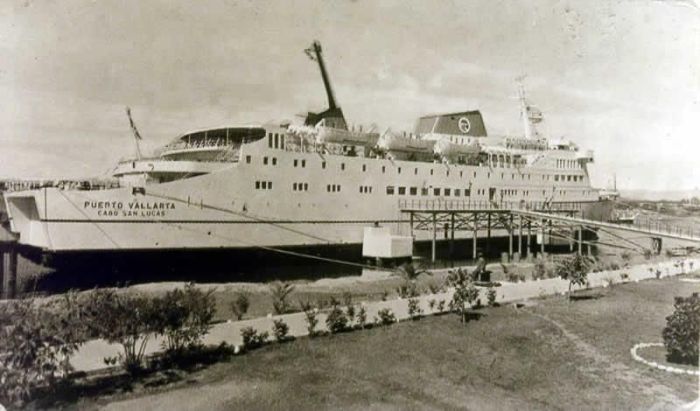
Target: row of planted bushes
37	337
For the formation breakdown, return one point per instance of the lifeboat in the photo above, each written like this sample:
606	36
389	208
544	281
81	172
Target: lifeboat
326	135
446	148
399	147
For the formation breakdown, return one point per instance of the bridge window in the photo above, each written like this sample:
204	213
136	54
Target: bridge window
467	192
447	191
424	191
436	191
458	192
390	189
413	191
402	191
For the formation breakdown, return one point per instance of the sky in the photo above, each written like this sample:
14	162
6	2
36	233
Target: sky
619	77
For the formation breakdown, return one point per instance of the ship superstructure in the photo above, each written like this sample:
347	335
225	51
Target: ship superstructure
312	184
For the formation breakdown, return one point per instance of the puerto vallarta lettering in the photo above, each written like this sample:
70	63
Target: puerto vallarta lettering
130	209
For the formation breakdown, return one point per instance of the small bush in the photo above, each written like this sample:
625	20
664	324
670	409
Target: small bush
240	304
414	310
385	295
280	293
336	320
521	277
657	273
280	330
626	257
614	266
491	296
36	342
385	317
183	317
431	304
681	332
624	276
311	322
407	290
647	254
539	271
252	339
126	319
435	288
361	317
441	306
512	277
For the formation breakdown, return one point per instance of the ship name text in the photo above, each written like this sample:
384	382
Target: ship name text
130	209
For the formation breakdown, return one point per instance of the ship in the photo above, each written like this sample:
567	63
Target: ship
306	189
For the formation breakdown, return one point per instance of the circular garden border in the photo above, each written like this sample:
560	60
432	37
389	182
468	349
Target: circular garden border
656	365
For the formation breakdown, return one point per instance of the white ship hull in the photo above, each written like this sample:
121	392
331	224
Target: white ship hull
224	209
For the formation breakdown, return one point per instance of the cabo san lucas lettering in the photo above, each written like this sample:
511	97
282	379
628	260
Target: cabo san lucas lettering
130	209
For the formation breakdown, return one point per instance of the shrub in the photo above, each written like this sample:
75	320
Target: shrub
361	317
431	304
407	290
539	270
521	277
626	257
435	288
385	317
491	296
183	317
36	342
614	266
512	277
414	310
125	319
658	274
280	330
252	339
647	254
311	322
410	272
464	296
681	332
240	304
441	305
280	292
336	320
385	295
624	276
575	269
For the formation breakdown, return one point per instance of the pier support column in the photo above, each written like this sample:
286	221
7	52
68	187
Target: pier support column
2	271
12	280
488	233
434	237
542	242
520	236
452	238
474	236
529	239
510	239
580	240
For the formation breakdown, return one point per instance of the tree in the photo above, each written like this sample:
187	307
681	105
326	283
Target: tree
465	292
240	304
574	268
280	292
682	330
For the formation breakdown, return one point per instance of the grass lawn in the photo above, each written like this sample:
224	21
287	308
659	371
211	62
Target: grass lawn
549	354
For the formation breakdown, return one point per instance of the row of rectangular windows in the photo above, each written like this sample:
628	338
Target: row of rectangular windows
567	164
300	187
557	177
275	140
390	190
263	185
333	188
366	189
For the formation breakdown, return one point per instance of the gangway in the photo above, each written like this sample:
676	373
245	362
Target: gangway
475	216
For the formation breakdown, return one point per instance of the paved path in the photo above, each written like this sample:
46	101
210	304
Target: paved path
90	356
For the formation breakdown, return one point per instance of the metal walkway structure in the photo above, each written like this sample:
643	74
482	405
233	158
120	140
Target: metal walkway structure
556	221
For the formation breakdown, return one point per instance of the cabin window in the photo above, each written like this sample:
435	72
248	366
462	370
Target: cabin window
265	160
461	174
413	191
447	192
424	191
415	171
294	186
383	169
364	167
458	192
399	170
431	171
342	166
269	140
247	159
257	185
402	191
306	186
390	190
264	185
323	164
556	177
303	163
436	191
296	162
467	192
475	174
274	161
282	141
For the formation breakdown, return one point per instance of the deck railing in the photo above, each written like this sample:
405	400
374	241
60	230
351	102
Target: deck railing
453	204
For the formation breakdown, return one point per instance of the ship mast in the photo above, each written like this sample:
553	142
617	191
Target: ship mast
333	113
531	115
